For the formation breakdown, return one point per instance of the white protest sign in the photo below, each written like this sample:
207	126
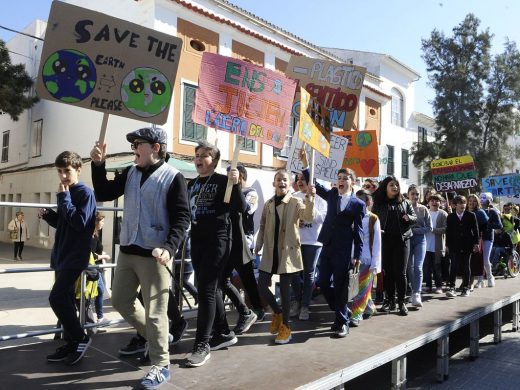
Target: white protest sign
325	168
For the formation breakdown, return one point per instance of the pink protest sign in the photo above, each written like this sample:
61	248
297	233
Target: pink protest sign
245	99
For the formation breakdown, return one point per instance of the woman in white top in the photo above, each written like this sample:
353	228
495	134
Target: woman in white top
311	249
19	233
362	305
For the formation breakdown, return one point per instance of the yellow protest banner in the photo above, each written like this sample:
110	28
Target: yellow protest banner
314	127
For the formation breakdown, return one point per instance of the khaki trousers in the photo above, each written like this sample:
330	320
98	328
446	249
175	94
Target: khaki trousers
150	321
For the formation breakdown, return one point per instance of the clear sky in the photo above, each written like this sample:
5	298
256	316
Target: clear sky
393	27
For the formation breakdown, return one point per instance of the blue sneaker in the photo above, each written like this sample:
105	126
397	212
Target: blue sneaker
156	377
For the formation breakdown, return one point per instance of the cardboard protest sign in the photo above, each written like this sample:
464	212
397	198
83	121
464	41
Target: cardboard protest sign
314	128
325	168
336	86
454	173
106	64
502	185
245	99
362	152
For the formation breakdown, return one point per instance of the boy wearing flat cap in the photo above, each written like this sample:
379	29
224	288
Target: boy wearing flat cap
156	217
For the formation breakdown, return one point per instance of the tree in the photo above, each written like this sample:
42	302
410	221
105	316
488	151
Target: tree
15	84
477	99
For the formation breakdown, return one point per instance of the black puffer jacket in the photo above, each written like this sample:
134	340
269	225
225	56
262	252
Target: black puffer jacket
404	207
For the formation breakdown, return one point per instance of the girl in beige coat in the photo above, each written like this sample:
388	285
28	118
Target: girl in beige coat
18	233
279	236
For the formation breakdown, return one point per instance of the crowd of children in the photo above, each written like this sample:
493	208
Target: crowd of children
310	239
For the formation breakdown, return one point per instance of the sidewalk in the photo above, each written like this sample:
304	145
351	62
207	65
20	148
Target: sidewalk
497	367
24	304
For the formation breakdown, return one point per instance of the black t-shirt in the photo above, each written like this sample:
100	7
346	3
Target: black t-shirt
209	213
392	220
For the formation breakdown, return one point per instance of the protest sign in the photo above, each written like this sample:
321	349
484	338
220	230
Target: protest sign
502	185
106	64
314	128
362	152
454	173
336	86
325	168
245	99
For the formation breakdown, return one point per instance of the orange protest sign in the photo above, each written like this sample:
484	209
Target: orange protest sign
362	152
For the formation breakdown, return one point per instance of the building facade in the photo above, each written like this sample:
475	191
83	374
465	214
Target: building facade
31	144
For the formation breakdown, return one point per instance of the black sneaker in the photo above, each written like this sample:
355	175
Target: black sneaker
244	322
341	332
260	315
465	292
199	355
220	341
136	345
403	311
79	351
387	307
61	353
178	331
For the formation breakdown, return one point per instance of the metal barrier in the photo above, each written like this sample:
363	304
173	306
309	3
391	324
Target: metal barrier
186	313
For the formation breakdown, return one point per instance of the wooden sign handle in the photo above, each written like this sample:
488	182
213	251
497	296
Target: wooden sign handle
311	167
103	131
234	162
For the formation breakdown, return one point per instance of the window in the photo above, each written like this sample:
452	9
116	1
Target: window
397	107
390	165
36	139
284	152
422	135
5	146
247	145
405	173
190	131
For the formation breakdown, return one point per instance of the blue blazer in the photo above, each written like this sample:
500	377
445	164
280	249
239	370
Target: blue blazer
341	230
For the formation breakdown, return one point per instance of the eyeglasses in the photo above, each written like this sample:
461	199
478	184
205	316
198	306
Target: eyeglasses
135	144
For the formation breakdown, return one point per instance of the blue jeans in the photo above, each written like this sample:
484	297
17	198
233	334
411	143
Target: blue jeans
486	253
310	255
416	260
98	301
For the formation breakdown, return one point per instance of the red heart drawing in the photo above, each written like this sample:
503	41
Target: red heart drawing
368	165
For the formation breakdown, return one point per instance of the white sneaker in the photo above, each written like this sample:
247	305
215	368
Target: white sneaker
479	284
416	300
295	308
491	282
304	313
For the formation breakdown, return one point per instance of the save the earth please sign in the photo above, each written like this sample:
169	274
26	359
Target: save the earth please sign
102	63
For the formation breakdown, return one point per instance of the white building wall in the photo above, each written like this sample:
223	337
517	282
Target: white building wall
70	128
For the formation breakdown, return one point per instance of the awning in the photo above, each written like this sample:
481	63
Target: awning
186	168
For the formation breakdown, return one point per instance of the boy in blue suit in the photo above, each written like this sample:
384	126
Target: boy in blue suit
341	229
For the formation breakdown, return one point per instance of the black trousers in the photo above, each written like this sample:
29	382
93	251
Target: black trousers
209	261
460	260
395	258
18	248
247	277
429	267
62	301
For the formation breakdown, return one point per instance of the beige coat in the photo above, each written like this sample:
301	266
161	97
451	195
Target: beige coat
15	225
291	210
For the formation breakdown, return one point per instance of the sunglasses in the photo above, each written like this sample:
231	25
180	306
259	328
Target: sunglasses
135	144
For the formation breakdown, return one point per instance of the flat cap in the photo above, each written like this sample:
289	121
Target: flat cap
153	135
